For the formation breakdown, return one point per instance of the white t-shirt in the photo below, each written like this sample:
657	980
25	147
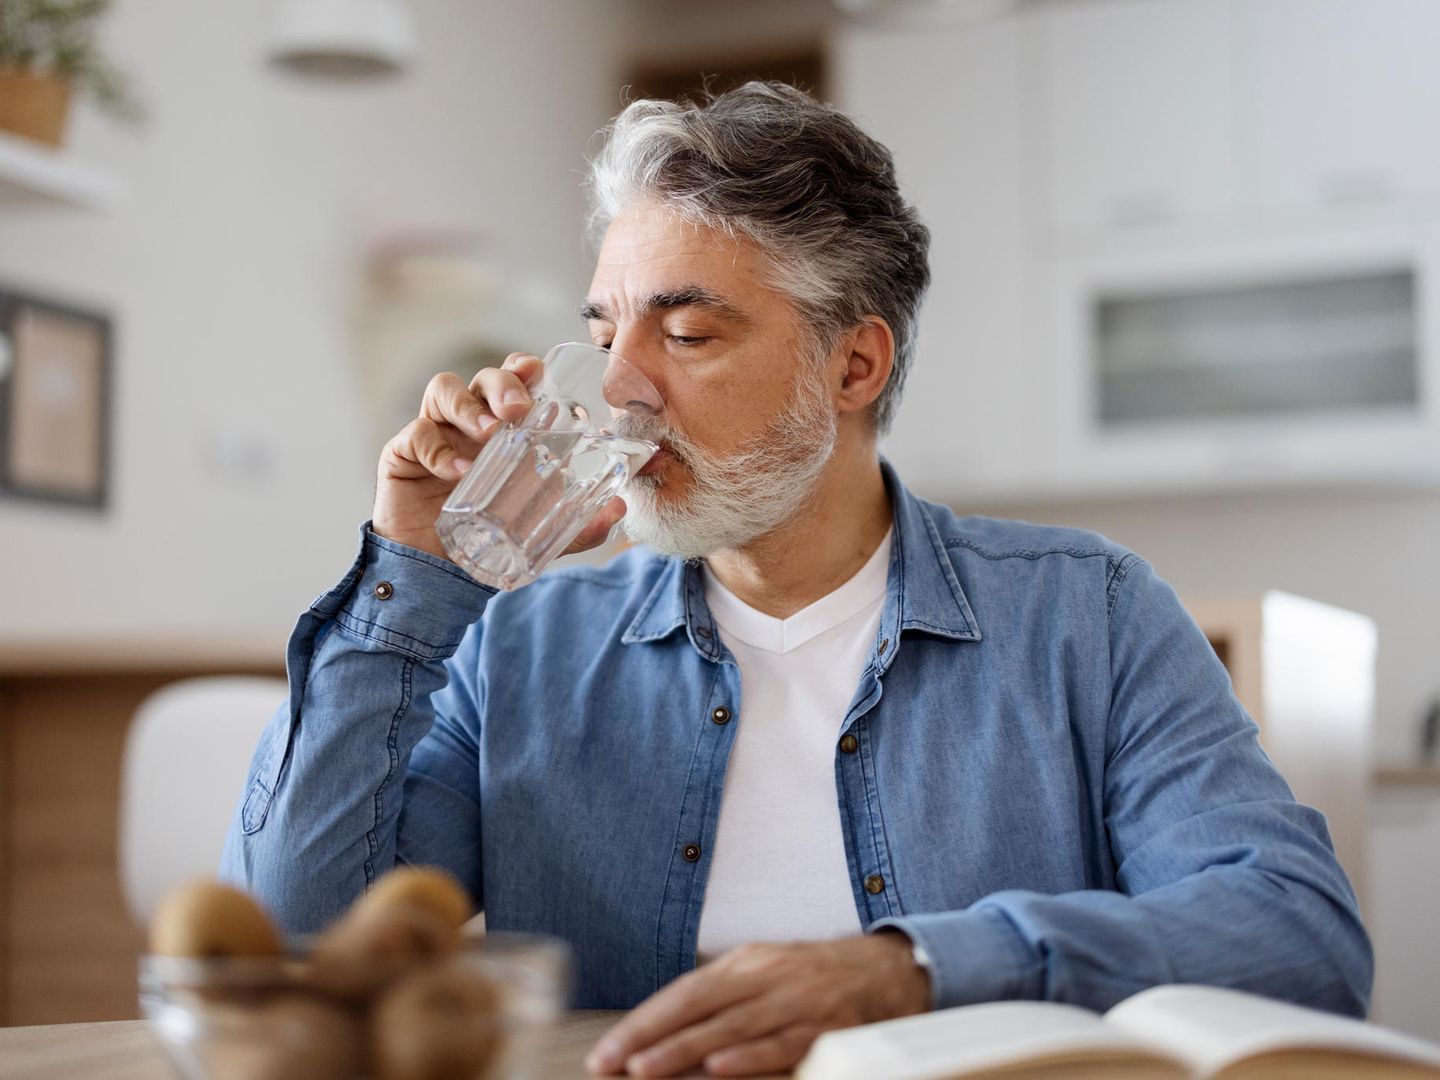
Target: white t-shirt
777	871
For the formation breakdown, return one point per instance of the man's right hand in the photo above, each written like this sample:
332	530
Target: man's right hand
421	465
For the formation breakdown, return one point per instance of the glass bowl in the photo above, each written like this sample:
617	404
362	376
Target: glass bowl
264	1018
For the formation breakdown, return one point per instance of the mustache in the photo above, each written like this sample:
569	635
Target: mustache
652	429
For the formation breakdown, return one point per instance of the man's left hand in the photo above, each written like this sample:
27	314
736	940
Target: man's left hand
757	1008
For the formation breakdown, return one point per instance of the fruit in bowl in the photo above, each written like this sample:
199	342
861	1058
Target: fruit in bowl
396	988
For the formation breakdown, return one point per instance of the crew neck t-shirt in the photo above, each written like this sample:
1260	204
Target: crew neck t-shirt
777	869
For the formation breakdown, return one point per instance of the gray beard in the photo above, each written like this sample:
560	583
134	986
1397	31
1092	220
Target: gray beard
734	500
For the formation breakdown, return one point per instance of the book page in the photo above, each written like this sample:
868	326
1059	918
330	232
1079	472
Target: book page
1213	1027
973	1040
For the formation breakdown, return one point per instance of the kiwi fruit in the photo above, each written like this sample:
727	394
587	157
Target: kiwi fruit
381	992
441	1022
204	918
373	945
424	887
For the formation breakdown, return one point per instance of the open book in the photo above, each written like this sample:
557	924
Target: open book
1164	1033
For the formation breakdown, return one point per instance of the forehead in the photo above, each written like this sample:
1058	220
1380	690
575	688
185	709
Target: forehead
650	250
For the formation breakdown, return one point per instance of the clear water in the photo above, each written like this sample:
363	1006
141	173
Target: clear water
529	494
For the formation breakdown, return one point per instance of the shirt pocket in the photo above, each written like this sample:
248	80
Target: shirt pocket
265	769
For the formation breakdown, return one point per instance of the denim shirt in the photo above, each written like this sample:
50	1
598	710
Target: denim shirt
1044	777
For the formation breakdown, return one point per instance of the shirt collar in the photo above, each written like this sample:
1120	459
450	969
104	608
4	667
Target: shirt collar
922	593
677	599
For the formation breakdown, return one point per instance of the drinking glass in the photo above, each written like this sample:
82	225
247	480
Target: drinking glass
538	482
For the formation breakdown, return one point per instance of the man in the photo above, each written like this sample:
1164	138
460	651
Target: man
825	753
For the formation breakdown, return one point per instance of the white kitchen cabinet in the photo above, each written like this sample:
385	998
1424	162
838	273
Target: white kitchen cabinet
1405	882
1341	101
1327	439
1134	112
1082	152
947	102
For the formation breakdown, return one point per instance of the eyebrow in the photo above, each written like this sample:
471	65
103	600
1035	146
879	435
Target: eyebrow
685	296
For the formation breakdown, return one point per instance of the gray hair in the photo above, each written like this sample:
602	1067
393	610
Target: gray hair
818	196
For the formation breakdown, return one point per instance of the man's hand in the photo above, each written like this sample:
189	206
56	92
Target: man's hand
758	1008
421	465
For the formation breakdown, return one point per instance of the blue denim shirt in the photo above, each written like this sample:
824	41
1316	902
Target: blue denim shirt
1052	788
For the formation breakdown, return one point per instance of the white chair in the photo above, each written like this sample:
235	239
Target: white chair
186	759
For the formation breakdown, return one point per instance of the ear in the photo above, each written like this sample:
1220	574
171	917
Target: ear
868	357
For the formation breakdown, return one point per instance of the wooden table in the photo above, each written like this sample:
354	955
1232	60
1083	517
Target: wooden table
128	1050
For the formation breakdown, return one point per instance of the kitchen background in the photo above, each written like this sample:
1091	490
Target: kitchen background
285	259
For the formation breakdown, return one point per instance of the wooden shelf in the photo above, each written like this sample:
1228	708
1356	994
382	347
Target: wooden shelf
1408	776
32	174
135	653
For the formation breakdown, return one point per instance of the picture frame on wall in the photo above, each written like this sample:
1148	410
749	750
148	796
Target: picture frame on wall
55	374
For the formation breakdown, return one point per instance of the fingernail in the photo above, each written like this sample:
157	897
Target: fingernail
639	1064
515	397
462	465
486	422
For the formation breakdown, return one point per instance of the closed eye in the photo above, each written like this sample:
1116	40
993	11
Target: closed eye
684	341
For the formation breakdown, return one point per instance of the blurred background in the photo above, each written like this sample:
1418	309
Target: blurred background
1185	292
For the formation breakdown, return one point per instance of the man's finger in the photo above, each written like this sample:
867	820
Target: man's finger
599	526
528	367
685	1050
449	401
776	1053
695	996
419	450
503	393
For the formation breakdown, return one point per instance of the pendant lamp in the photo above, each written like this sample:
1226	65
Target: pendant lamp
343	39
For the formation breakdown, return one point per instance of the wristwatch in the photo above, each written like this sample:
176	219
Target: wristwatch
922	959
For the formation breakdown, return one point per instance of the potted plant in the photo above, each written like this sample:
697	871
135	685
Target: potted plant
48	51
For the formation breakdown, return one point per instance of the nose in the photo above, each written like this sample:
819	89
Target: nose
629	386
646	359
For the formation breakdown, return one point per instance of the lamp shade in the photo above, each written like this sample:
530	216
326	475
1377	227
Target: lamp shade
343	38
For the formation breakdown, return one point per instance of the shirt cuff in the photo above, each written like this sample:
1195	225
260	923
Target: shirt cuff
975	956
404	599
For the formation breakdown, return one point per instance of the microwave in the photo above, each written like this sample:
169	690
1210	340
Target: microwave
1257	362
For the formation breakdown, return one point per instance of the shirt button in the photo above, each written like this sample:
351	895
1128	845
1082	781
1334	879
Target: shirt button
384	590
874	884
721	715
884	644
700	631
849	744
691	852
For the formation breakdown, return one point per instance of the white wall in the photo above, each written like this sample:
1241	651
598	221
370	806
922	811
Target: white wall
227	268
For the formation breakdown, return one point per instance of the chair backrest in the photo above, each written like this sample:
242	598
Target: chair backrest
186	757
